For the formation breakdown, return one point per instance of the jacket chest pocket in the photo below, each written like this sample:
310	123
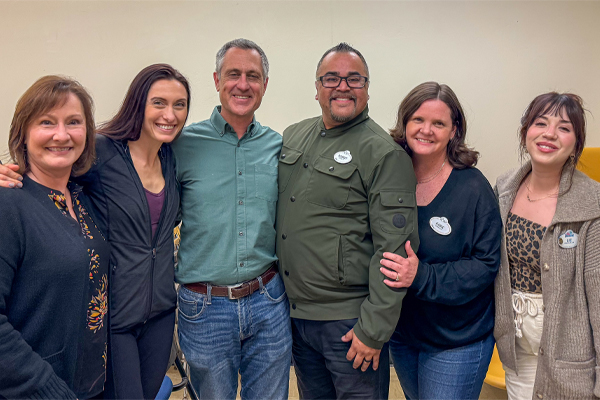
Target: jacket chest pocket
329	183
287	161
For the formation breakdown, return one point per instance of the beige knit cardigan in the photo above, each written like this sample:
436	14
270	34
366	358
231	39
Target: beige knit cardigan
567	363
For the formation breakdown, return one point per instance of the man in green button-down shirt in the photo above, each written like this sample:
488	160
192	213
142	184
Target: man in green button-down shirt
346	195
233	313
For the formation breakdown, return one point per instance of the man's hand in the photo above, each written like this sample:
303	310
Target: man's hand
9	177
400	271
362	354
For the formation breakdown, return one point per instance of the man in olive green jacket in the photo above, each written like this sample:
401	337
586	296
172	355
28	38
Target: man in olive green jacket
346	195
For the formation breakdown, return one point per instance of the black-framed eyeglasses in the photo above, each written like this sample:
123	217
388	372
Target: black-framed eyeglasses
353	81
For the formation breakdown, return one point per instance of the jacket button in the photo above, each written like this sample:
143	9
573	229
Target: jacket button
287	273
293	199
541	351
546	267
282	156
283	236
539	395
239	172
241	233
331	168
241	264
294	306
400	200
240	202
323	133
305	165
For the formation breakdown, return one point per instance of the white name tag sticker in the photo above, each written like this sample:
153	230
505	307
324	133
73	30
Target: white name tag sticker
343	157
440	225
568	240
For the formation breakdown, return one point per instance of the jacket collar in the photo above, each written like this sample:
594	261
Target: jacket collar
578	200
338	130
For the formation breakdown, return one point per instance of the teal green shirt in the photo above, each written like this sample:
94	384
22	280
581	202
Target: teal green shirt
228	201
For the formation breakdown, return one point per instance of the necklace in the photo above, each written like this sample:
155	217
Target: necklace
434	175
552	194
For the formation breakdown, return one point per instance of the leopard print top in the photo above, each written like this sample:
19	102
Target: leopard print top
523	241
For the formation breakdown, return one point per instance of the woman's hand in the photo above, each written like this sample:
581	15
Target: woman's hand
9	177
400	271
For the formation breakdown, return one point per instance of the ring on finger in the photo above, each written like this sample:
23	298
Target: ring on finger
397	277
367	361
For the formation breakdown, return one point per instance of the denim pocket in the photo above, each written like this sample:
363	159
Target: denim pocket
274	290
190	305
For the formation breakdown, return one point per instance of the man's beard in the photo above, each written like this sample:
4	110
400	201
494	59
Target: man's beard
342	118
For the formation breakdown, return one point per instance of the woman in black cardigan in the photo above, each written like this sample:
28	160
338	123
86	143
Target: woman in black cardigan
53	258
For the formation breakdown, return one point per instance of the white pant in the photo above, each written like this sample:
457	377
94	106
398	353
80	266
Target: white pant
529	320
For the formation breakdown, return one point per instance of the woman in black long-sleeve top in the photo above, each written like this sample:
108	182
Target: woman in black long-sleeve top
53	258
443	342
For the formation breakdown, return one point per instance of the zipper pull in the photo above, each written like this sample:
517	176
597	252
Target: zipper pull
154	253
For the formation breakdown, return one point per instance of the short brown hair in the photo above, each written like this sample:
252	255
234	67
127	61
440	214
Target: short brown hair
459	155
44	95
554	103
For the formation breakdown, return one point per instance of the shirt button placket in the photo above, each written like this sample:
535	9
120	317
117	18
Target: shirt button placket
242	194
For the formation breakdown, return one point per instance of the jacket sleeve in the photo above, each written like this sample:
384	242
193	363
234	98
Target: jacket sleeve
591	276
393	220
458	282
23	373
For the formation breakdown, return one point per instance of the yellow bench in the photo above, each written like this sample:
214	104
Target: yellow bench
589	163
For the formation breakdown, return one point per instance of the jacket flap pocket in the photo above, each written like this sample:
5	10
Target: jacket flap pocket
289	156
330	167
398	198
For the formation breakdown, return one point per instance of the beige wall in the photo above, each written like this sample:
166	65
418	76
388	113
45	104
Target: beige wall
496	55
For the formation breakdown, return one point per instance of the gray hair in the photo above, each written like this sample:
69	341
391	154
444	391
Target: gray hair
343	48
244	44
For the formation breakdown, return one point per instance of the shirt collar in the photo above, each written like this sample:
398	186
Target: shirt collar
340	129
221	126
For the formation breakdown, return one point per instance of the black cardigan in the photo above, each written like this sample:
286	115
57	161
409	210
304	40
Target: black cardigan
142	277
44	296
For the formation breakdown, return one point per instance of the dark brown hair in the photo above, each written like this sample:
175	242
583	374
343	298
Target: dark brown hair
554	103
45	94
127	123
459	155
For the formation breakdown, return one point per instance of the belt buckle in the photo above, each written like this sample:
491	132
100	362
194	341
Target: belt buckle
229	288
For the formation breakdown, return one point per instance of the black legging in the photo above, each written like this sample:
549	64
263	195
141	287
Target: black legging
138	358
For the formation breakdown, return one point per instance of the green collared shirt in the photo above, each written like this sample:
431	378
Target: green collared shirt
228	201
346	195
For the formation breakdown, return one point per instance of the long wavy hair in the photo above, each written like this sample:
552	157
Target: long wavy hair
459	154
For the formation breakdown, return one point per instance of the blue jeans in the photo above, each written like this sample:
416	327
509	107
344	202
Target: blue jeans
322	370
456	374
252	335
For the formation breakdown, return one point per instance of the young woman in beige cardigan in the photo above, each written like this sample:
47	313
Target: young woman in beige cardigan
548	287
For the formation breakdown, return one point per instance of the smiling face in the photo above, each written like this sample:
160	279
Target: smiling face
430	129
341	104
56	139
550	140
241	84
166	110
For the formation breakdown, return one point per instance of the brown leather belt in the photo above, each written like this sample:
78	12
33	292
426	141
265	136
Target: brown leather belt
234	292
